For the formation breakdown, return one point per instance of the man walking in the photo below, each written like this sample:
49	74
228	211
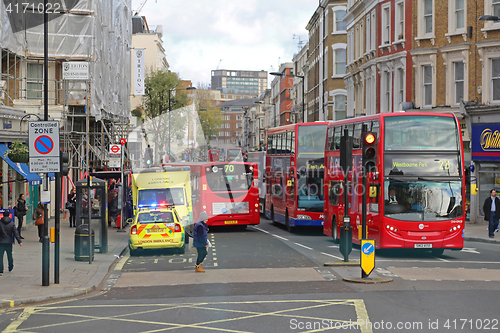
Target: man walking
7	231
200	241
491	209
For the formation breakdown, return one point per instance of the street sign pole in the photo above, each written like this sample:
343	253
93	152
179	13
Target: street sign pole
45	240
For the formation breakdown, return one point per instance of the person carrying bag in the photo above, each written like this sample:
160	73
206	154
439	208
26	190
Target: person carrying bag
71	206
39	220
20	212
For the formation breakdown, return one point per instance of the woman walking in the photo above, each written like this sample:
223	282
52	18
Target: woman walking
71	205
38	217
200	241
20	213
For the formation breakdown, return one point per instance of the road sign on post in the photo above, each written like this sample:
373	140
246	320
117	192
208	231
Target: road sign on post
115	150
367	257
43	138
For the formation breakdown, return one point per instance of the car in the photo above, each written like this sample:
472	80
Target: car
156	228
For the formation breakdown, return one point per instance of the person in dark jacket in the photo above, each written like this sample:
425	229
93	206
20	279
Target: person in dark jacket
7	229
200	241
113	207
38	216
72	208
491	209
20	213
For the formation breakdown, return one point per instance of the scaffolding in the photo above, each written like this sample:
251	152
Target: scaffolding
98	32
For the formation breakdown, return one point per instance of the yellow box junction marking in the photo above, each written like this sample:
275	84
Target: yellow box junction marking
361	322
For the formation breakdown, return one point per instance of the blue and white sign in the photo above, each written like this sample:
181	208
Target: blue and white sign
43	138
485	142
367	248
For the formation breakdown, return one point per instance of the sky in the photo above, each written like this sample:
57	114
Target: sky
202	35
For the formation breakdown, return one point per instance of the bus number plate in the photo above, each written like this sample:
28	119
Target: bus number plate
423	246
231	222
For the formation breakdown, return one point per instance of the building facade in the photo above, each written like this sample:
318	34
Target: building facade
326	94
379	65
250	83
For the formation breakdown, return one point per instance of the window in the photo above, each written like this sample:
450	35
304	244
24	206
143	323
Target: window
338	24
427	85
34	83
459	14
388	91
458	68
340	107
495	7
495	79
386	24
339	59
400	21
428	13
238	117
400	89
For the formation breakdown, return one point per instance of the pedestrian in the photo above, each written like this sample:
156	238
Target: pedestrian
200	241
491	209
7	231
39	220
71	206
113	208
112	185
20	212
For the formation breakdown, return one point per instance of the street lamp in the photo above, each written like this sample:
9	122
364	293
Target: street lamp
170	111
303	91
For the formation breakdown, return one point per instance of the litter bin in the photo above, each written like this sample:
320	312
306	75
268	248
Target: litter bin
82	243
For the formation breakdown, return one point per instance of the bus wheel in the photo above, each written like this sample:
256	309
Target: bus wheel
335	235
287	223
437	252
272	215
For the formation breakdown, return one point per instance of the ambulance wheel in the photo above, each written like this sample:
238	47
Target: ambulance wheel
182	249
133	253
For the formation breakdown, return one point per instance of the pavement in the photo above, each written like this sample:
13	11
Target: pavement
76	278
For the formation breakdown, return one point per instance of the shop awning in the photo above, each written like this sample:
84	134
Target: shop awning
22	168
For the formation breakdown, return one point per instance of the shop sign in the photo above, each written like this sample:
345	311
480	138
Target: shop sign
486	142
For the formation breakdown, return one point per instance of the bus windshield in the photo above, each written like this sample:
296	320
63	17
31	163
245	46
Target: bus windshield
423	200
311	140
155	197
421	133
229	177
310	184
234	155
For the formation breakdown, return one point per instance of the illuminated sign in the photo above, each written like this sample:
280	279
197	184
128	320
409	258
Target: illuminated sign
435	165
486	142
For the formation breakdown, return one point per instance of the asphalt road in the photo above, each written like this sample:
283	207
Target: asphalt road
264	279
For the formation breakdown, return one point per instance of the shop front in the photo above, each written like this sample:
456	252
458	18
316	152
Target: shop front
483	124
16	180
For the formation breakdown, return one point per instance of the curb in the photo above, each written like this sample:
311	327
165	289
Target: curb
482	240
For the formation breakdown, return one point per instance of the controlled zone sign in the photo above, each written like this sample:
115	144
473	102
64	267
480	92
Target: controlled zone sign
43	138
367	255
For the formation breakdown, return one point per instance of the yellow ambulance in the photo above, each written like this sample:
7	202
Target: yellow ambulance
156	188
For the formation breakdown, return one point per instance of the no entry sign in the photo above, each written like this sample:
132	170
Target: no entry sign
43	137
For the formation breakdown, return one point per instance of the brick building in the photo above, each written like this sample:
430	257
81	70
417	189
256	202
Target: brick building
326	94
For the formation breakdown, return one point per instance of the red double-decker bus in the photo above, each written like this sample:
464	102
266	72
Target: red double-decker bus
227	191
294	174
416	192
213	155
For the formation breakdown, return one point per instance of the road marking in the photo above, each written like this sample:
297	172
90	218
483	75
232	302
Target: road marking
11	302
267	232
21	319
444	260
285	310
306	247
470	250
331	255
279	237
122	262
156	261
335	246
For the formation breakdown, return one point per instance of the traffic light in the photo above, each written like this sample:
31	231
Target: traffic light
63	162
148	157
369	147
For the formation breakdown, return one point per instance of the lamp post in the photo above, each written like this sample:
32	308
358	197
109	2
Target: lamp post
170	110
303	91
